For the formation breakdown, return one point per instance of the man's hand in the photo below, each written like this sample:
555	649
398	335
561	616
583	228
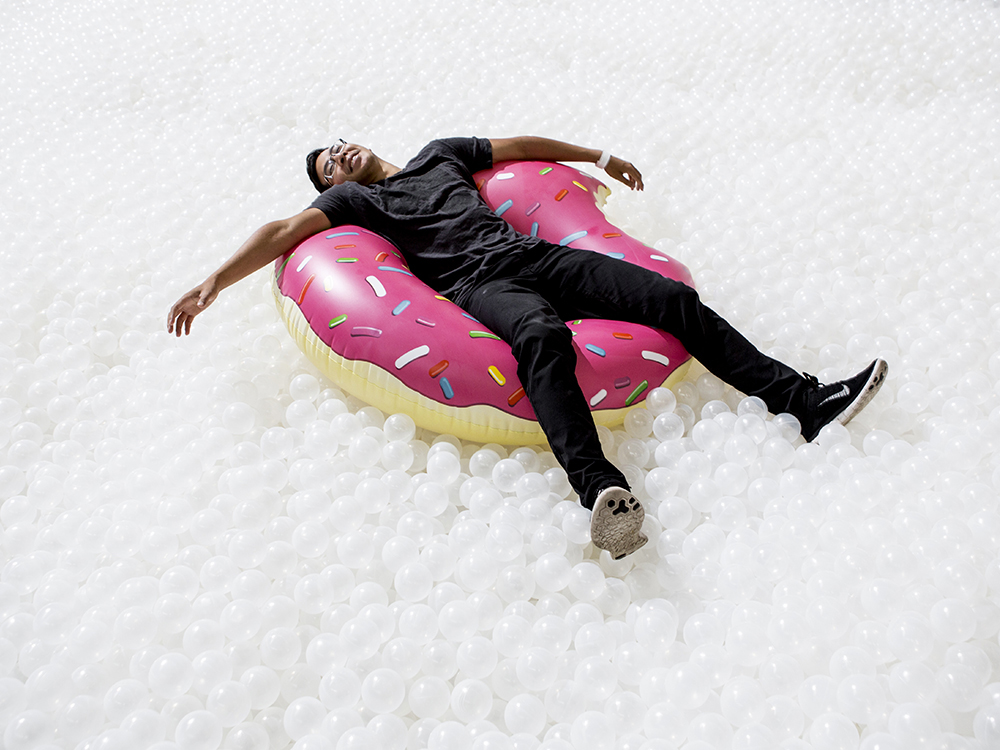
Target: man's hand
623	171
191	304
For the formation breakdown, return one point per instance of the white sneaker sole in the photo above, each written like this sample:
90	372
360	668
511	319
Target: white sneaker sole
871	387
615	522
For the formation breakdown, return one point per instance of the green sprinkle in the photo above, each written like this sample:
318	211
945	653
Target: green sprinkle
347	260
639	389
575	322
483	335
546	170
278	274
337	321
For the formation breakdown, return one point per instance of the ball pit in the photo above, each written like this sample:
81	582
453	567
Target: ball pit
191	527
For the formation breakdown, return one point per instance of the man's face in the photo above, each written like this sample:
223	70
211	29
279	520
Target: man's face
350	163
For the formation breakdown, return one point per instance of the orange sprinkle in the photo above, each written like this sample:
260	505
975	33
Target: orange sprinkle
305	289
515	397
609	235
381	256
626	336
438	368
341	247
479	185
562	194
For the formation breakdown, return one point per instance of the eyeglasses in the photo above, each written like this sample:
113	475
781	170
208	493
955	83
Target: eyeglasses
329	166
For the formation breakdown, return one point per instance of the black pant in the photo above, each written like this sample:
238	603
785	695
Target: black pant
527	305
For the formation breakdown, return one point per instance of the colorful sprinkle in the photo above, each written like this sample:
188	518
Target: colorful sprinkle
534	229
562	194
505	176
479	185
466	315
623	382
446	388
337	321
483	335
581	186
533	208
443	299
659	258
598	397
282	268
394	270
305	289
623	336
655	357
400	307
496	375
328	283
415	353
438	368
576	322
342	247
366	331
502	208
596	350
635	394
303	264
546	170
347	260
515	397
609	235
428	323
572	237
341	234
376	286
616	256
381	256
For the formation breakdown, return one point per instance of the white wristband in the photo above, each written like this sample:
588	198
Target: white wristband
603	161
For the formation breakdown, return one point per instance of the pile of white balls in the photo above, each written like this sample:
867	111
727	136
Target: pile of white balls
203	543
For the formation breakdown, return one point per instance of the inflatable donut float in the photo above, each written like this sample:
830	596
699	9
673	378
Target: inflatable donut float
358	313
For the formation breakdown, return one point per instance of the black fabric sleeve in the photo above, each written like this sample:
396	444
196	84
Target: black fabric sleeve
475	153
335	204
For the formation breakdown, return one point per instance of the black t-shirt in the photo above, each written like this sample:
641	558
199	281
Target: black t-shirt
432	211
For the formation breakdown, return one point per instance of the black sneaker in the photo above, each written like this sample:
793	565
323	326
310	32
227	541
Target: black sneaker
839	401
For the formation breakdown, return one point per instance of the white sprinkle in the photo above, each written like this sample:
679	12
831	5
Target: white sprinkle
303	263
598	397
505	176
376	285
417	353
655	357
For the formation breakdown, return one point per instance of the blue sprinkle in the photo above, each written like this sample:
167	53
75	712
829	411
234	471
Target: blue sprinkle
446	388
466	315
534	229
504	206
400	307
619	256
394	270
340	234
573	237
596	350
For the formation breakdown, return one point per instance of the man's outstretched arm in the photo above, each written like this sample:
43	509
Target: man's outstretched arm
530	147
267	243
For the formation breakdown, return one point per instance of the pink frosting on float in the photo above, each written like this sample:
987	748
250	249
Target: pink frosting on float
360	299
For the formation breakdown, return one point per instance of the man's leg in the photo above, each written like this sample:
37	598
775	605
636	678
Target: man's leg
546	365
586	284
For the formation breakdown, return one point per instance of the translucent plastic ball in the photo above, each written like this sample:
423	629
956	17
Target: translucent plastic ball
429	697
198	730
660	401
592	729
477	657
656	624
471	700
304	716
505	474
230	702
171	675
525	714
382	690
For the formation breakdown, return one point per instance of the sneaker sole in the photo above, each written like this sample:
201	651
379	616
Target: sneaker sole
615	522
871	387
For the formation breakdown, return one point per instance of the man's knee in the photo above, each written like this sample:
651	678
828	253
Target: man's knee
541	335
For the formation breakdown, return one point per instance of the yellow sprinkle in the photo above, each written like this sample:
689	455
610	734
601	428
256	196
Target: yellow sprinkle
497	375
